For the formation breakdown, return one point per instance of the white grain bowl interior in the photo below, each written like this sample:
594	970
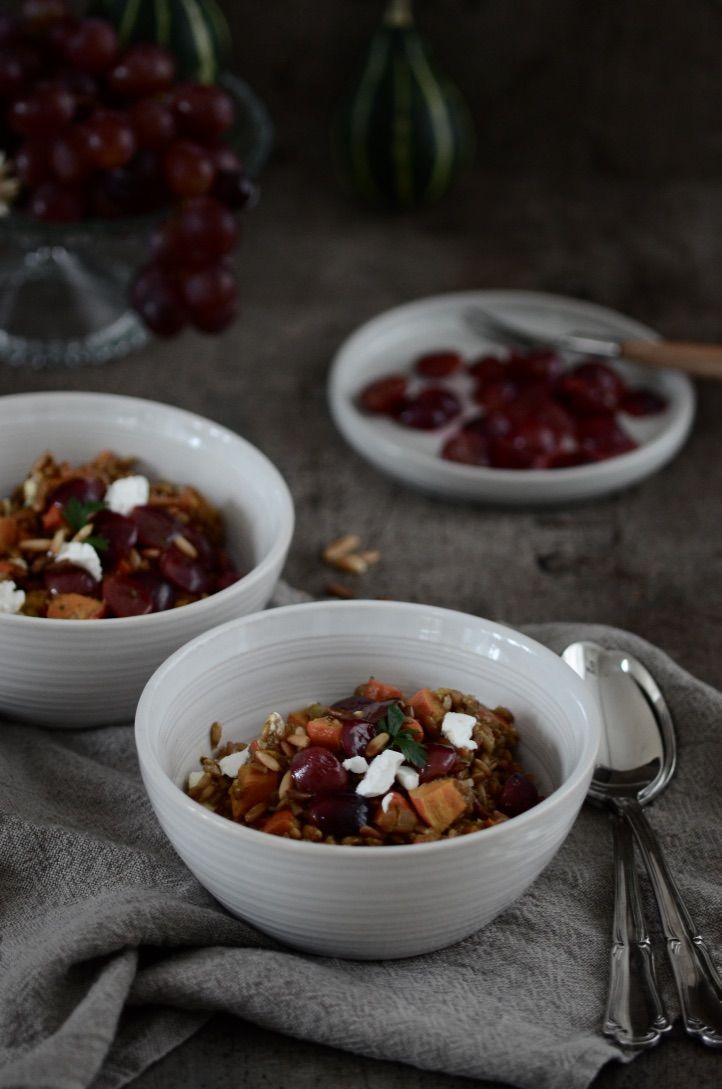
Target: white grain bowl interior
358	902
83	673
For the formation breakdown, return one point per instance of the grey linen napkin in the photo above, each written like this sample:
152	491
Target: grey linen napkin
112	954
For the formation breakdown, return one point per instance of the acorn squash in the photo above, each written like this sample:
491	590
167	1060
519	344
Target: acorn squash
195	32
404	134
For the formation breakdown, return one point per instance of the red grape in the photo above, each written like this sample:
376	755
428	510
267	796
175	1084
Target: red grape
32	163
601	437
216	318
66	578
153	123
162	593
57	203
185	572
225	159
431	408
316	770
486	369
438	364
440	760
9	29
92	46
86	489
467	447
189	169
643	402
18	66
518	794
207	292
385	395
144	69
156	300
84	89
591	388
204	231
120	532
127	595
535	366
156	527
203	111
235	189
40	15
355	736
109	139
44	112
68	157
339	814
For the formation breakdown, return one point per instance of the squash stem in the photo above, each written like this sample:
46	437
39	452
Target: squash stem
399	13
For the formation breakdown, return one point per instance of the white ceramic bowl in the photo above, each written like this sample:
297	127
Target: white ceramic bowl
353	901
83	673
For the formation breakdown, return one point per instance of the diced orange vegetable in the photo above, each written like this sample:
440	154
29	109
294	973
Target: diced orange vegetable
415	728
253	784
53	518
438	803
397	817
325	731
428	709
280	823
296	719
76	607
8	532
377	690
10	569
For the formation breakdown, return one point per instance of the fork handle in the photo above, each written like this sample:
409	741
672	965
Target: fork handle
696	978
635	1016
699	360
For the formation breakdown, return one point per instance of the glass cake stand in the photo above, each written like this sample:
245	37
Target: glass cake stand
64	286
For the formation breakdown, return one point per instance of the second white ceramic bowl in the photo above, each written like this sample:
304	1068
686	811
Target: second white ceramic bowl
354	901
91	672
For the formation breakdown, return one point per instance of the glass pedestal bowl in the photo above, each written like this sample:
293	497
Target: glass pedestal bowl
64	286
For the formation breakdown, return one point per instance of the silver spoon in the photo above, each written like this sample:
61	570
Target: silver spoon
636	762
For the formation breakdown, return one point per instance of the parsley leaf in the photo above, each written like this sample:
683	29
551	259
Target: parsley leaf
99	543
401	737
77	514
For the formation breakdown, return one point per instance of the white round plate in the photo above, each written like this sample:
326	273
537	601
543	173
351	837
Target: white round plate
389	343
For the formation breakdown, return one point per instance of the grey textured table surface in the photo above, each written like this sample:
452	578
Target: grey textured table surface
650	560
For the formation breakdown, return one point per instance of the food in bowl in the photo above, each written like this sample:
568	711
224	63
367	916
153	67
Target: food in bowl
99	540
372	769
523	410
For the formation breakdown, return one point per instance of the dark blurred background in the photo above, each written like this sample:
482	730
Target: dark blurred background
599	162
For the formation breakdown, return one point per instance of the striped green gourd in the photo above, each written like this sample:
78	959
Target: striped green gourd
195	31
404	134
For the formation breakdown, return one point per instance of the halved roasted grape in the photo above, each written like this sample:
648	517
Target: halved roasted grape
86	489
373	710
127	595
496	393
432	408
207	554
156	527
67	578
120	532
385	395
316	770
161	591
339	814
440	760
543	365
185	572
439	364
591	388
643	402
355	736
487	368
227	578
518	794
601	437
468	447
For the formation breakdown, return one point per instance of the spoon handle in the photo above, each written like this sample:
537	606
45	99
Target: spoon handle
635	1015
697	980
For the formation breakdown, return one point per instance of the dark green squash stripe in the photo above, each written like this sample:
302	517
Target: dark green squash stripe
128	21
402	136
204	44
162	22
438	110
361	113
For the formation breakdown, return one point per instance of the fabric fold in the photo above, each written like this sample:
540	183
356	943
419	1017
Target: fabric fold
113	954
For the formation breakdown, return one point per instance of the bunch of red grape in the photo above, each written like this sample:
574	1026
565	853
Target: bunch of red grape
98	132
